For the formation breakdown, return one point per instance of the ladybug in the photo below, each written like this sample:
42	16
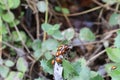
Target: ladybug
53	62
58	53
113	67
59	48
58	60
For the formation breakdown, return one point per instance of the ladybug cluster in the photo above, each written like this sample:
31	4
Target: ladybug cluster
61	50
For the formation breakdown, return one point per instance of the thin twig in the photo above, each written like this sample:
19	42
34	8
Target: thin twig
100	53
80	13
105	6
94	57
46	19
24	27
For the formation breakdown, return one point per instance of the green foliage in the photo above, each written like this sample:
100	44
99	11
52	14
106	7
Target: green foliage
12	4
68	33
36	44
4	71
37	54
1	22
22	65
114	19
114	73
41	5
15	36
86	35
50	44
69	70
82	69
15	76
52	30
117	40
95	76
64	10
8	17
46	67
9	63
111	2
113	54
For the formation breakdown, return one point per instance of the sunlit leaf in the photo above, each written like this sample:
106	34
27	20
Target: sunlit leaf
113	54
41	5
16	3
8	17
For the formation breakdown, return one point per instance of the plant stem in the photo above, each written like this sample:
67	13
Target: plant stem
46	19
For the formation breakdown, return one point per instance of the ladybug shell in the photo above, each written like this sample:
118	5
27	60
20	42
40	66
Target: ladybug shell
59	60
53	62
113	67
58	53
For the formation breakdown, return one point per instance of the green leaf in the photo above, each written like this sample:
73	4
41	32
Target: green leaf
114	19
4	71
3	30
9	63
8	17
48	55
111	2
117	40
45	67
15	22
37	54
0	22
65	11
46	27
16	37
84	74
50	44
68	34
16	3
86	35
57	8
15	76
22	65
36	44
69	70
95	76
41	5
114	73
58	35
29	43
113	54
